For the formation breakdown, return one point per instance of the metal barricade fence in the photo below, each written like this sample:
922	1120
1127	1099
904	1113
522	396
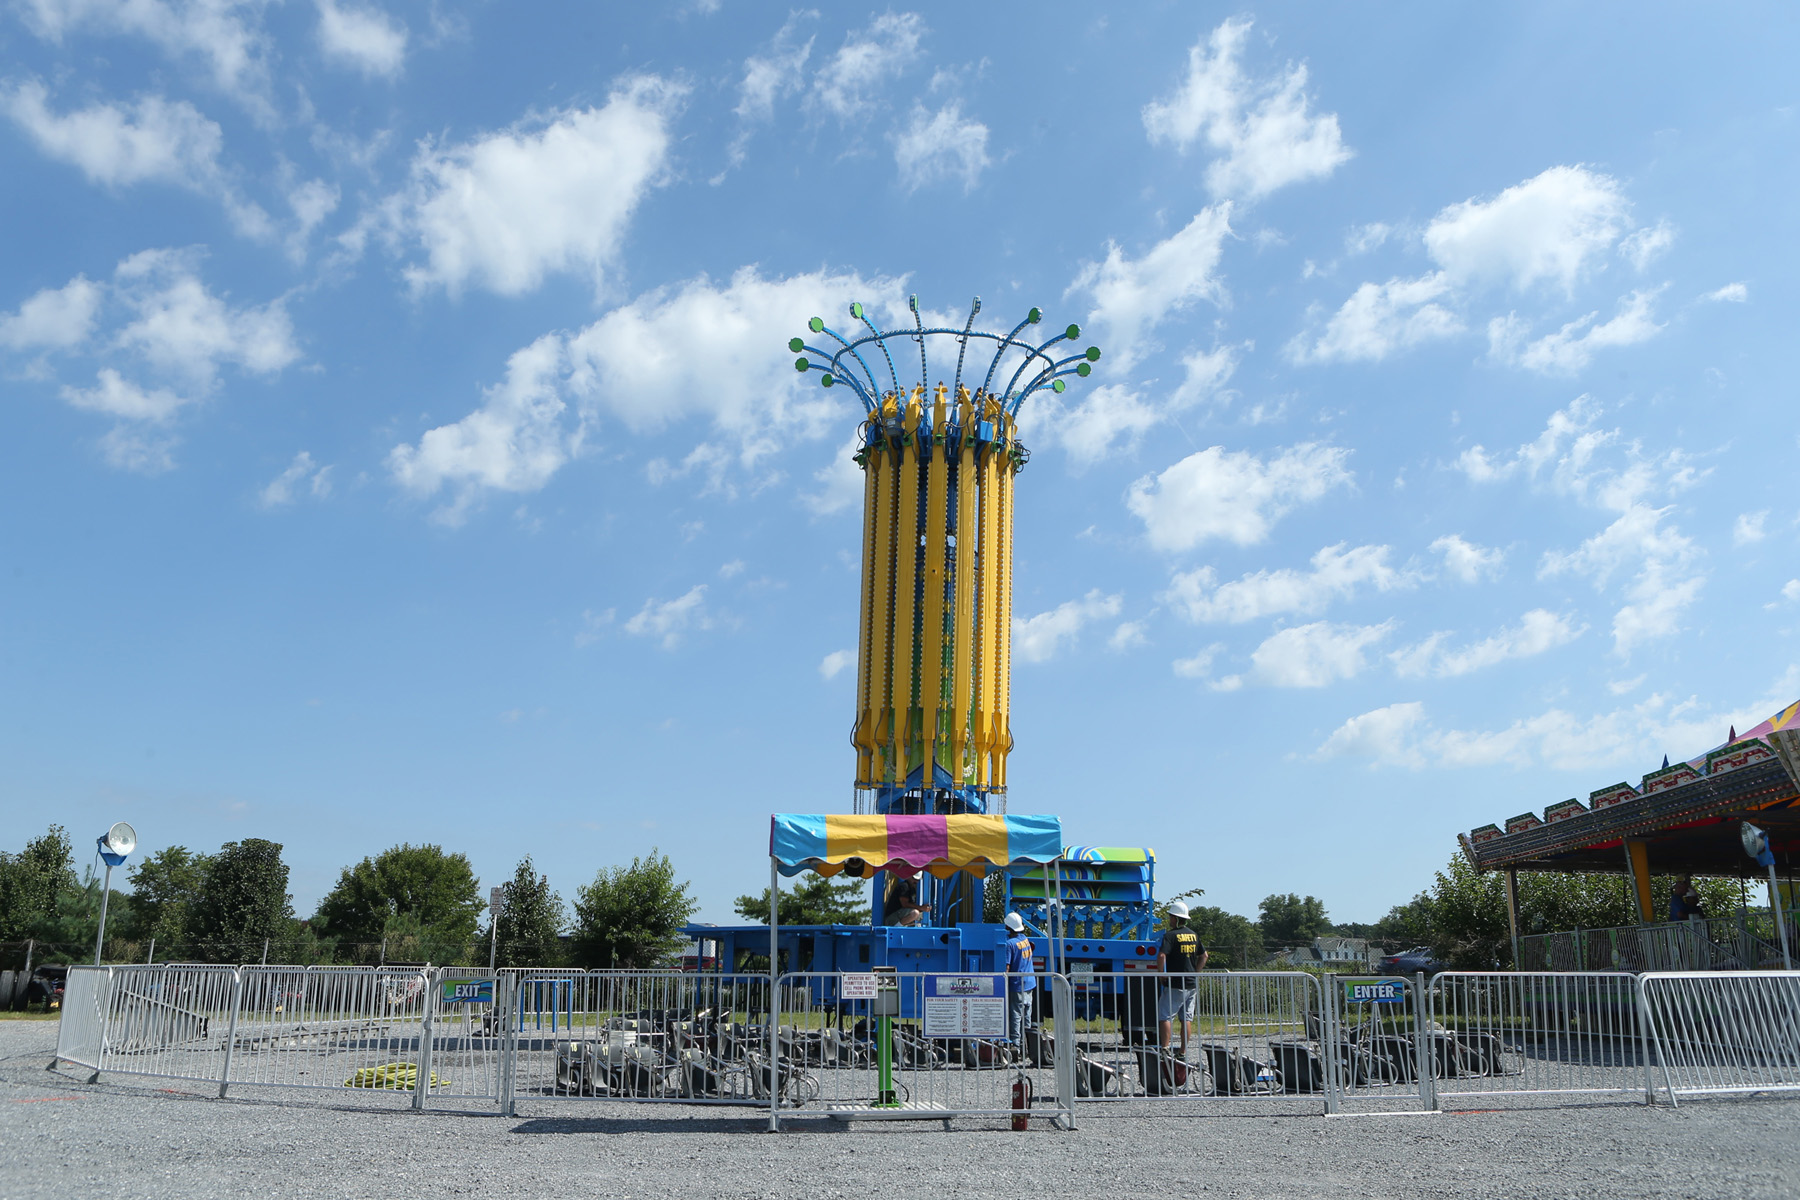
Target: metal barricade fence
1254	1035
937	1045
1736	1031
330	1027
660	1036
81	1032
1533	1033
168	1021
1375	1057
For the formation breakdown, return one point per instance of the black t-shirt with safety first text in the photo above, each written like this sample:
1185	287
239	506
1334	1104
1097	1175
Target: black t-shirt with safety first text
1181	950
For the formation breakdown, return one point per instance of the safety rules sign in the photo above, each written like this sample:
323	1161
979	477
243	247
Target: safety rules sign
966	1006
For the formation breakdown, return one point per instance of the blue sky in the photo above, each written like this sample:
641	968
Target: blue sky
401	443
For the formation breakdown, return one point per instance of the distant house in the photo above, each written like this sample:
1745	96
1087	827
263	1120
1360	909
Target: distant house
1342	950
1326	951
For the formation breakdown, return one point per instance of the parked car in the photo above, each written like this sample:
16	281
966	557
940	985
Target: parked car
1411	962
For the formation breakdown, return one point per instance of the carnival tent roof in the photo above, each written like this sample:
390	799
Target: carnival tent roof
905	845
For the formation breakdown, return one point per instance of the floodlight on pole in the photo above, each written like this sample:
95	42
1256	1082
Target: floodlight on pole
1756	845
115	844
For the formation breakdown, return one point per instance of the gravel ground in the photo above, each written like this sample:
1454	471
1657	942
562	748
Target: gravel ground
59	1136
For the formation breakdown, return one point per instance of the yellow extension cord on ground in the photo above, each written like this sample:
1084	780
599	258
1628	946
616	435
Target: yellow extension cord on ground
400	1076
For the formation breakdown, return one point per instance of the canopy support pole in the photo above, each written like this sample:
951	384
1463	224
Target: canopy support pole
1637	857
774	995
1512	913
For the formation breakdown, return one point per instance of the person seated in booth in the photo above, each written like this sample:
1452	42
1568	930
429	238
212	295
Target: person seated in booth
902	906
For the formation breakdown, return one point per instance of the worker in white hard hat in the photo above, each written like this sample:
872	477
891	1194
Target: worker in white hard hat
1022	976
1179	959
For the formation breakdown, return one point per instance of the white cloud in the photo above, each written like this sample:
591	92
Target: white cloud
701	349
1131	298
1466	561
514	442
302	473
1205	373
366	39
940	146
132	448
153	140
668	620
1104	420
1572	347
1547	229
1667	579
1381	318
1733	293
767	78
1568	447
1040	638
1538	630
1747	531
836	662
1336	574
841	480
1790	591
692	350
1128	635
1645	246
1315	655
1364	238
1664	563
1382	735
1401	735
54	318
178	331
507	209
1232	494
1199	666
1263	131
118	397
183	328
214	30
867	60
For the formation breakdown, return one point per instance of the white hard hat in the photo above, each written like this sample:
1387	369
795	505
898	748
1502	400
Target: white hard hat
1178	909
1015	922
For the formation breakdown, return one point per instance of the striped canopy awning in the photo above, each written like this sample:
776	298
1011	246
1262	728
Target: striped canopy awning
907	845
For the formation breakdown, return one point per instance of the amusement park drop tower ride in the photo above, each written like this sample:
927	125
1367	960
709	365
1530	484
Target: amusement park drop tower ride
932	727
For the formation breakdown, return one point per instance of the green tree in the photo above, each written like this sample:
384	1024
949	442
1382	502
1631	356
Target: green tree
530	918
817	901
1462	918
1290	920
164	889
436	893
243	899
33	882
1232	942
631	917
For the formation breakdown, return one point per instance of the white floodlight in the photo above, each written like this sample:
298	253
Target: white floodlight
1757	846
115	845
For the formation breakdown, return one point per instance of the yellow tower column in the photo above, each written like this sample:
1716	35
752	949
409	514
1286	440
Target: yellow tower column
881	618
906	566
931	655
968	525
869	643
1003	741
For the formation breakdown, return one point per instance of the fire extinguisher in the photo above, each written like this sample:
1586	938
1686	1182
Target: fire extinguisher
1021	1101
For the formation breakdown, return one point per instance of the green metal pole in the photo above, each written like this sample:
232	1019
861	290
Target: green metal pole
884	1057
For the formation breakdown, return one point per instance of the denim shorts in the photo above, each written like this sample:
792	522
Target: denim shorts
1172	1001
